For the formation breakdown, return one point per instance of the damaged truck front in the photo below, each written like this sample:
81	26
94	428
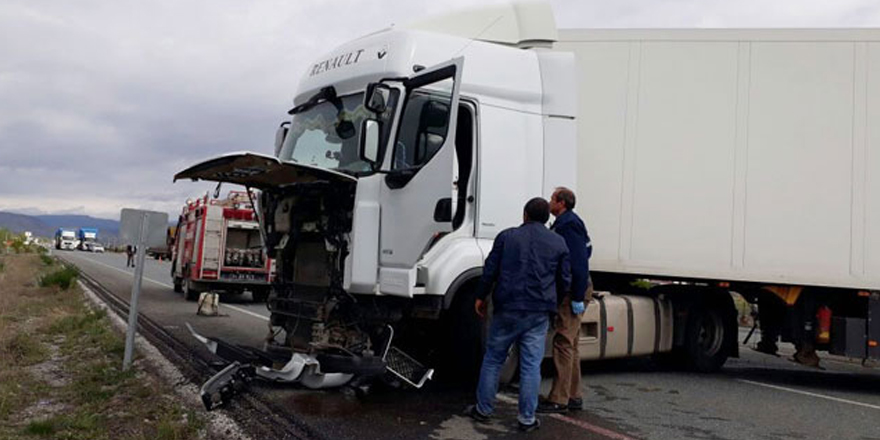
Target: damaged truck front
334	310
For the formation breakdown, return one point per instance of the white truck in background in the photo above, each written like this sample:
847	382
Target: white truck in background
65	239
707	161
88	239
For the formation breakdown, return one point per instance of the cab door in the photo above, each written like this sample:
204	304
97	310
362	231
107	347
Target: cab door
418	190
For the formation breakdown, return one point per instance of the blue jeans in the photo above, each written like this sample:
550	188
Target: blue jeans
529	330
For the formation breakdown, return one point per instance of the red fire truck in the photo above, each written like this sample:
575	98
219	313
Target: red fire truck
217	247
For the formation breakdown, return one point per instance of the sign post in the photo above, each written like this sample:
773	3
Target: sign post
141	229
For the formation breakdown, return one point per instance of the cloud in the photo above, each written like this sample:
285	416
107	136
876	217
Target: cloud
102	102
717	13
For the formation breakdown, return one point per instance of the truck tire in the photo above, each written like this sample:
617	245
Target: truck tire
705	340
178	285
190	293
466	344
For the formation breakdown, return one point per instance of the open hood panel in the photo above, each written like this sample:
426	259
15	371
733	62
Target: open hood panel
258	171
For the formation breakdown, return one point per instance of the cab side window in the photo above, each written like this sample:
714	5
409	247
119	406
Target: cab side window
423	128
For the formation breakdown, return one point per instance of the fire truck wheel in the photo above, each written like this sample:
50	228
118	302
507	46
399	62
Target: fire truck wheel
260	295
178	285
189	291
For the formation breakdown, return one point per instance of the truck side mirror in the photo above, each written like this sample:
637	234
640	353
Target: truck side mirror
376	99
369	142
280	135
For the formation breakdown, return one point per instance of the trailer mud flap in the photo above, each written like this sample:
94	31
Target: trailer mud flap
873	342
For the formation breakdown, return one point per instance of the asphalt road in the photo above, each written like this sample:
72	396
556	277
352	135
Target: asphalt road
754	397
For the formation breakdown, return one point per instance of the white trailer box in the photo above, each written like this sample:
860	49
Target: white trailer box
749	155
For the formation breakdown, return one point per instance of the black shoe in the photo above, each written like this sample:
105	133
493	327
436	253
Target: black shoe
475	414
576	404
548	407
529	428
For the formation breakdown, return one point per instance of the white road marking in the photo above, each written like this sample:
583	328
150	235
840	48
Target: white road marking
169	286
572	421
807	393
246	312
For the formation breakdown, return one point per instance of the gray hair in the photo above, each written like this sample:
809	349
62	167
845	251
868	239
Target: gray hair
566	196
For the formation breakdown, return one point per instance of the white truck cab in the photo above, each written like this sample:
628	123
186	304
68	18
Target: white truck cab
408	151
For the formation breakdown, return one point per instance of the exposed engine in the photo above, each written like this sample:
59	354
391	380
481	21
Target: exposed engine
307	227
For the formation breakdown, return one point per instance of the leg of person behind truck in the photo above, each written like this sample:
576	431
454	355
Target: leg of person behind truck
804	330
771	312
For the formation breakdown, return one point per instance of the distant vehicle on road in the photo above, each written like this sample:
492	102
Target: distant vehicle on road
217	246
65	239
96	247
164	252
86	237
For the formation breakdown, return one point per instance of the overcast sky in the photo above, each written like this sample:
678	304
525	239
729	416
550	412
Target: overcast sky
101	102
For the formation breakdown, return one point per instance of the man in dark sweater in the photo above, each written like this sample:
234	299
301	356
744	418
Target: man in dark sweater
565	394
528	265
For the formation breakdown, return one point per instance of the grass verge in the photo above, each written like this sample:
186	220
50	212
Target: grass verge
47	260
60	367
64	278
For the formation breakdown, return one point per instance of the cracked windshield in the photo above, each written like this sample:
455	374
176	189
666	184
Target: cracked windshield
327	134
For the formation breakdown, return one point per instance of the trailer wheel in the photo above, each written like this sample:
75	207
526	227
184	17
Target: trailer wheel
189	291
178	285
705	339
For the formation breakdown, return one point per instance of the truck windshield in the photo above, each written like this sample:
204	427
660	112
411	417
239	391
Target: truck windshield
327	134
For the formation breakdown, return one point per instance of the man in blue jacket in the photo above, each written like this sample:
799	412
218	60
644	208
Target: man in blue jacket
565	395
528	266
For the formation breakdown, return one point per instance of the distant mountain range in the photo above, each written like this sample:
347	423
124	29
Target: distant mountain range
45	225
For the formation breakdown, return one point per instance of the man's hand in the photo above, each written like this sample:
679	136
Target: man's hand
481	307
577	307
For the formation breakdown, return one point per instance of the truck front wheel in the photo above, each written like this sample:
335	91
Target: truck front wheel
465	335
178	285
189	291
704	343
